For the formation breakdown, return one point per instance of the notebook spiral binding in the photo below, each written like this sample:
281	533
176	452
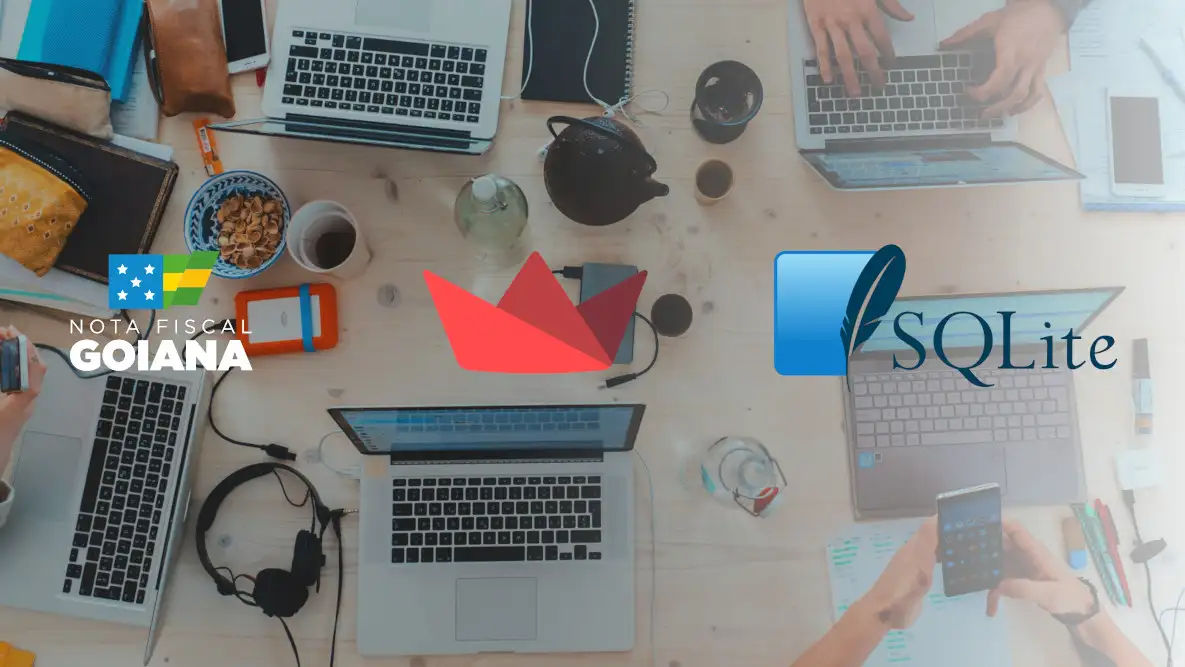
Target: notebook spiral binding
629	49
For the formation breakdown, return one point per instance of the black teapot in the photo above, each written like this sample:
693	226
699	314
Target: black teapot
597	172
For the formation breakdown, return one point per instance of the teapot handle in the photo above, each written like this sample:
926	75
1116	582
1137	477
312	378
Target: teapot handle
569	120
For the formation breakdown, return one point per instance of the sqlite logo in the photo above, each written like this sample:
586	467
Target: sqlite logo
828	304
535	328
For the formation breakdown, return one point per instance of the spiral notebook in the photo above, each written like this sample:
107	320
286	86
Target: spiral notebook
557	42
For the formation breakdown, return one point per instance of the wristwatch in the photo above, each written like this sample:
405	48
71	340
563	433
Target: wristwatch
1072	620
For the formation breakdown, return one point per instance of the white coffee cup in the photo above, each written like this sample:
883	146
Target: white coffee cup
323	237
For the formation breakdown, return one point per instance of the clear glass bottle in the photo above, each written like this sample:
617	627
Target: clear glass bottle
491	211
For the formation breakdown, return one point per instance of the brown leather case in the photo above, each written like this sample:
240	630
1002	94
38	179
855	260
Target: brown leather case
190	58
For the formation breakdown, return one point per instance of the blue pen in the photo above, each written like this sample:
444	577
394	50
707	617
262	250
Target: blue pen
1165	71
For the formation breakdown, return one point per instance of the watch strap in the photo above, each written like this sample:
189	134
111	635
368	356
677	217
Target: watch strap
1072	620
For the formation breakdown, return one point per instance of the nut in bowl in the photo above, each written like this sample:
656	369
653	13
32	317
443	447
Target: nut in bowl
241	214
249	230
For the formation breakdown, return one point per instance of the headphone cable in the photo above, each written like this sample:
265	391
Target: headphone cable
274	450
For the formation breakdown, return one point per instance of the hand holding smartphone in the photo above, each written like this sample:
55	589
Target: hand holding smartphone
14	365
970	539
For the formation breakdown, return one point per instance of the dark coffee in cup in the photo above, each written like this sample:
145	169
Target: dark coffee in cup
333	248
713	181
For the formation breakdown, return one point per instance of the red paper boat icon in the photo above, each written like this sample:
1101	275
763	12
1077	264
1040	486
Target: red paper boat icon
535	328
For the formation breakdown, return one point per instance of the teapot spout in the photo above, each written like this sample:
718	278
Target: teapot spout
656	189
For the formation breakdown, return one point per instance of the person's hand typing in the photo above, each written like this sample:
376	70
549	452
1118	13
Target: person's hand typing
1025	33
844	27
1034	574
896	597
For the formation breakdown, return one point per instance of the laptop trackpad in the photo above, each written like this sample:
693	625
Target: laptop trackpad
45	474
497	609
412	15
909	478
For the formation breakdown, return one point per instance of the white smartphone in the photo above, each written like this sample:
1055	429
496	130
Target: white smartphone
244	30
1137	153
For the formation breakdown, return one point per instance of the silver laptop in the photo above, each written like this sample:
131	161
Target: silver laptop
102	484
922	130
403	73
495	529
916	433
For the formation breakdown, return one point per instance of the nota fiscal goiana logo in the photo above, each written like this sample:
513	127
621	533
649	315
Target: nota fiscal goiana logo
158	282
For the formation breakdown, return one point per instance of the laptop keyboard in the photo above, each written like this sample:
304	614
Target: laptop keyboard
385	77
495	519
500	420
942	408
926	92
123	501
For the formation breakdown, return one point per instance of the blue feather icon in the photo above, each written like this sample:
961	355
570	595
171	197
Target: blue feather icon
872	296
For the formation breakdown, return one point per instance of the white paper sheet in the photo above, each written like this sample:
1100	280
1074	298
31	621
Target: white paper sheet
947	627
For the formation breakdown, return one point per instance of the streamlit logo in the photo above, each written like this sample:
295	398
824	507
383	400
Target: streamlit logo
828	303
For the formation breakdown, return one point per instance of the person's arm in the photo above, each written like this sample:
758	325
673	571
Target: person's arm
893	603
851	31
15	410
1036	575
850	641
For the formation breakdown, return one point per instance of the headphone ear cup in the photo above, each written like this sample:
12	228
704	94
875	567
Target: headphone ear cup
307	558
278	593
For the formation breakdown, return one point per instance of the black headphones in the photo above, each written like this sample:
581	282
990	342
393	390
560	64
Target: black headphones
276	592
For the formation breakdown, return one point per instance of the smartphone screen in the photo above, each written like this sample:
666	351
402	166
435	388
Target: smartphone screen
1135	141
970	539
243	24
11	380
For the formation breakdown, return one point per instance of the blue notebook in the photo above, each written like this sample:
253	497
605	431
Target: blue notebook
95	35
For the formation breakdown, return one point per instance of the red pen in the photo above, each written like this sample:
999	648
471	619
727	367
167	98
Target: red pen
1112	536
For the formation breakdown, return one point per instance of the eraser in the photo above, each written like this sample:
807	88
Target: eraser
1075	543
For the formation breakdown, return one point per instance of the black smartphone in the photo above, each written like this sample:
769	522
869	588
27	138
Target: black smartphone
970	539
14	365
597	278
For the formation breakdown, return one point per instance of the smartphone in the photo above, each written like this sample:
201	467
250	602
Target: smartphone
970	539
1137	155
244	30
597	278
14	365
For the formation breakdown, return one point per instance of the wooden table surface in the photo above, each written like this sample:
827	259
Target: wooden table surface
730	589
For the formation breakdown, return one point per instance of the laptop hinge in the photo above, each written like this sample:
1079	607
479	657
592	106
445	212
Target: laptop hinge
938	141
321	123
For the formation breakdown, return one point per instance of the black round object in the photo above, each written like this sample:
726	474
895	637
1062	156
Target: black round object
278	593
728	95
671	315
1147	551
597	171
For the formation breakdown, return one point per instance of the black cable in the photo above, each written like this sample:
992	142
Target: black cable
630	377
341	578
291	641
273	450
141	336
1129	499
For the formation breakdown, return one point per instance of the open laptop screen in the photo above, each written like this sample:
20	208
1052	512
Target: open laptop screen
933	167
1063	310
490	428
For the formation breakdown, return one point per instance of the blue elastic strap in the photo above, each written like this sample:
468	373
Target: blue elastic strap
306	318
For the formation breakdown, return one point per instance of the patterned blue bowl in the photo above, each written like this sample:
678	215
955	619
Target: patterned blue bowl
201	223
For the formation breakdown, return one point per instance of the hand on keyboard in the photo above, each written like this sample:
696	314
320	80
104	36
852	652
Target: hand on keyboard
841	26
1024	35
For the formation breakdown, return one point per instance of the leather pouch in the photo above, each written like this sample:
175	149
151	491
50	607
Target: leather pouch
67	96
187	58
41	200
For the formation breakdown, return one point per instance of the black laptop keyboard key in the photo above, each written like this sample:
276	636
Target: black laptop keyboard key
486	554
573	517
120	527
